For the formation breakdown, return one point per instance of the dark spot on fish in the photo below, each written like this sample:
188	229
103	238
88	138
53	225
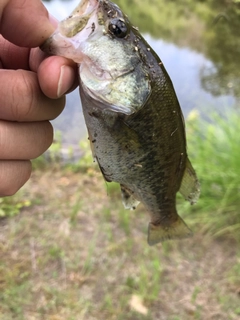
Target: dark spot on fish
93	141
93	114
133	208
95	135
93	27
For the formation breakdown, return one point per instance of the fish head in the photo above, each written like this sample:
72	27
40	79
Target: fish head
100	39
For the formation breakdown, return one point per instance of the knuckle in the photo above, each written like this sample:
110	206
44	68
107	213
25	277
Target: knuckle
22	87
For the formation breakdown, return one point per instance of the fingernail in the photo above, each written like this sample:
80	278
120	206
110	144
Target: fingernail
66	80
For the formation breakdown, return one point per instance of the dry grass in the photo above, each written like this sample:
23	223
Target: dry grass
76	254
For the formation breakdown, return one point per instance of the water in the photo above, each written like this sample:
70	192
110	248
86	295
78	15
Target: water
186	67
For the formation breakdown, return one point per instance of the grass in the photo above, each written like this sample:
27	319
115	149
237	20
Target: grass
74	253
10	207
214	152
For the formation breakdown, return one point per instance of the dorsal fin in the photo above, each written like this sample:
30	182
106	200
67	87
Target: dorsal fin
190	186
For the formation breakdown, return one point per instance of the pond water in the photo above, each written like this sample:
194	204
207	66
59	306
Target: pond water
186	67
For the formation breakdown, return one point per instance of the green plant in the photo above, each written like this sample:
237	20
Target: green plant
214	150
11	206
149	280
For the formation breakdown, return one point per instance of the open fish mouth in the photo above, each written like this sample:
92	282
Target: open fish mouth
73	31
79	19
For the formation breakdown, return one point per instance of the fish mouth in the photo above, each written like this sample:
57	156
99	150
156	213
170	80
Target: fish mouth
89	20
73	31
85	7
79	18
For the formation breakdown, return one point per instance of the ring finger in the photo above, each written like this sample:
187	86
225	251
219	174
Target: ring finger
24	140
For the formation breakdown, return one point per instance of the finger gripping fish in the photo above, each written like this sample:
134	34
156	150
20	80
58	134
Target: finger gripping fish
135	124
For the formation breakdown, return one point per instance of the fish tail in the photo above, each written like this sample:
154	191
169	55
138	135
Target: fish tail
159	232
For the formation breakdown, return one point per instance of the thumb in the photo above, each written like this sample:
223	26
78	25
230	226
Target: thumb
24	22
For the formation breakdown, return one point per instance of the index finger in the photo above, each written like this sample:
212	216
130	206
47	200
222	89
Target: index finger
25	22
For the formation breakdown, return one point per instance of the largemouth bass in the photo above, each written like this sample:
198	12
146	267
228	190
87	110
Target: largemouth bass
135	124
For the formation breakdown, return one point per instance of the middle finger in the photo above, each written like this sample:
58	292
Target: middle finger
21	98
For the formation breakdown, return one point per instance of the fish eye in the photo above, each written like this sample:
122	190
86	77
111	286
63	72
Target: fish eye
118	28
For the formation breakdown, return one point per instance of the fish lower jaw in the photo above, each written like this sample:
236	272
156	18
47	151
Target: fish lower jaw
61	46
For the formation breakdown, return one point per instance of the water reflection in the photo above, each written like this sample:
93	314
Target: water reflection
206	80
223	47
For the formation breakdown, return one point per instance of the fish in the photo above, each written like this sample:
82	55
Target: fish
134	121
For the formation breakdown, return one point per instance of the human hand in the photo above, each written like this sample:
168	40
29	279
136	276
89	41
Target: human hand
31	89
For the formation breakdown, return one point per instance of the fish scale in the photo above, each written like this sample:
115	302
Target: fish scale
135	123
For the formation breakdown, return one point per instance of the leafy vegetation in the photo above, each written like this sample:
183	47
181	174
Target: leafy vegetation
11	206
214	150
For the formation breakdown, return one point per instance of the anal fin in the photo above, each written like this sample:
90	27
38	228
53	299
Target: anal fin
128	198
159	232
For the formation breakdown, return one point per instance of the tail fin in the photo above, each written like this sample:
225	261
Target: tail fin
177	230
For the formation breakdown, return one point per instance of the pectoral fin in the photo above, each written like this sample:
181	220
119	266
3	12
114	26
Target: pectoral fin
128	199
159	232
190	186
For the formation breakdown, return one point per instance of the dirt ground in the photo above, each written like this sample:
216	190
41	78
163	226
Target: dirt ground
75	254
